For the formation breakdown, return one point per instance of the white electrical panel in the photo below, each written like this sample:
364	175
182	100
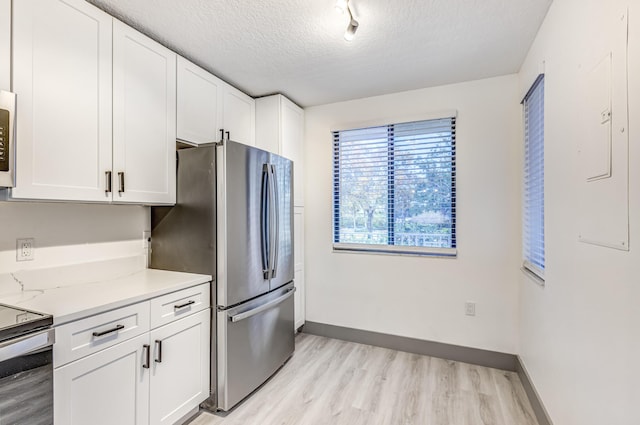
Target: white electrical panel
595	144
603	142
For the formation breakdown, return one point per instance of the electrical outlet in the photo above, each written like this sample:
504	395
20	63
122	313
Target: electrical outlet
146	239
470	308
146	246
25	249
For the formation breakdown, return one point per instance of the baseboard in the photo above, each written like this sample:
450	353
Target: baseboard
534	398
459	353
189	417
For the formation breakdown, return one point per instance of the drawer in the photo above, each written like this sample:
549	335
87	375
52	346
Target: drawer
87	336
179	304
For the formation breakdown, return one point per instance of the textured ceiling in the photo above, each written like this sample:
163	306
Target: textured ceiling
297	47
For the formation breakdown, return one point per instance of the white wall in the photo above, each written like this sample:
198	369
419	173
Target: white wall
67	233
579	334
416	296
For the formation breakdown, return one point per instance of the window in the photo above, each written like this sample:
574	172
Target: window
533	208
395	188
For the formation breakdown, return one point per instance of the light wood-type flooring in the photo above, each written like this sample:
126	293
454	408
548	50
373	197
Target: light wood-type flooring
333	382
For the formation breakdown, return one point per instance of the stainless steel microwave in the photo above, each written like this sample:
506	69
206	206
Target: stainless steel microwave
7	138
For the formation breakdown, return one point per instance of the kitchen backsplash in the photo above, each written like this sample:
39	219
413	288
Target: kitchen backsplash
66	233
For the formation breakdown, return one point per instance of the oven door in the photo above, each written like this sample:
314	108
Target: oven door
26	379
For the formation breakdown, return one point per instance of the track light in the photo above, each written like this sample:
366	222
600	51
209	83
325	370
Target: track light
351	30
344	6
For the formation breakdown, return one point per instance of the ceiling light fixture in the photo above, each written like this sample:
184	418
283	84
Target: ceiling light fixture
344	6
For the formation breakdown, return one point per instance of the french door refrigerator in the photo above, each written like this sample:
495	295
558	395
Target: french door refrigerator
234	220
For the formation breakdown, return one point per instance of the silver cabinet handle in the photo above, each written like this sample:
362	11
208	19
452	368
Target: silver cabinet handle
245	315
146	350
24	345
107	177
108	331
158	358
121	181
187	304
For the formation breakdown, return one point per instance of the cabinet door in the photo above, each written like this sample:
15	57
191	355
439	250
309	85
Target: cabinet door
62	78
5	45
268	123
144	119
238	115
293	145
299	297
106	388
180	367
199	104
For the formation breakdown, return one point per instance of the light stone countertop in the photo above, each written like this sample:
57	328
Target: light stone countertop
81	290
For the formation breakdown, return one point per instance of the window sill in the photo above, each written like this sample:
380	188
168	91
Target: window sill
532	276
395	250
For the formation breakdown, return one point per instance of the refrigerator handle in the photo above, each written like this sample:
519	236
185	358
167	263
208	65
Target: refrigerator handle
265	224
273	221
276	233
266	306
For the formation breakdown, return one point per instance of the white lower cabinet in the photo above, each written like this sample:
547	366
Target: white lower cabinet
179	368
150	379
299	297
106	388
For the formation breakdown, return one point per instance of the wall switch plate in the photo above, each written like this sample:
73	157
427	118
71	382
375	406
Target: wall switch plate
470	308
25	249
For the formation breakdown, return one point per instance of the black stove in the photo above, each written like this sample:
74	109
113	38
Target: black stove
15	321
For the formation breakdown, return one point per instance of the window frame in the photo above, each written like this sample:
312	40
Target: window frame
537	271
450	252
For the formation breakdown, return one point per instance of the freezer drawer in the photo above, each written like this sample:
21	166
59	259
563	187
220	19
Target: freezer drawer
254	340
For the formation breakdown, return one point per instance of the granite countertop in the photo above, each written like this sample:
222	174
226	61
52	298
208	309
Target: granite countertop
81	290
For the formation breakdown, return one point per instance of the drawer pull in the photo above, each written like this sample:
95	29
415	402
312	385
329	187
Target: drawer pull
187	304
158	358
103	333
146	350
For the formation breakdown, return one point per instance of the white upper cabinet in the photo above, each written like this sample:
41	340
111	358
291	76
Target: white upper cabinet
199	104
62	78
5	45
210	109
144	118
96	106
238	115
280	129
292	131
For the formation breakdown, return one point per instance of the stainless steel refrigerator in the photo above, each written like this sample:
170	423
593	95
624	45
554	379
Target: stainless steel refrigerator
234	220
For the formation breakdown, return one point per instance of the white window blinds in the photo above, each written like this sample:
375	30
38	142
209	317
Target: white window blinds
533	208
394	187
